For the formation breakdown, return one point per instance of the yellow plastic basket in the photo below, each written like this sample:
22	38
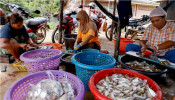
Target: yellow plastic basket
20	66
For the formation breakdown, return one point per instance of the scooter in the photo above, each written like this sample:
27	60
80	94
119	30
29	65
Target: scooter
34	25
96	16
133	24
69	25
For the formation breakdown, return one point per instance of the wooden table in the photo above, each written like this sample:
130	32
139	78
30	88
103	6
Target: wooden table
132	33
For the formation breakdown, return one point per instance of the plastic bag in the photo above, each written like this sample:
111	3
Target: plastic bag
105	26
50	89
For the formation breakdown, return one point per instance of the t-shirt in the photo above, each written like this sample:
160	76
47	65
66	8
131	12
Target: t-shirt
90	32
7	31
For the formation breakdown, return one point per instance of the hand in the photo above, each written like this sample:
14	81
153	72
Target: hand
76	48
155	48
143	49
24	46
34	45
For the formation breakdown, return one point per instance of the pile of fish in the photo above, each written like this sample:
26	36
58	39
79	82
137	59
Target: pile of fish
143	66
123	87
49	89
68	58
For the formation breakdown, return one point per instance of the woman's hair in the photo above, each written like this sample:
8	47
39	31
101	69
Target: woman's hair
14	18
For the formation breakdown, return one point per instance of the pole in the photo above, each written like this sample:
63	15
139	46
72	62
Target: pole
112	26
117	41
82	4
60	20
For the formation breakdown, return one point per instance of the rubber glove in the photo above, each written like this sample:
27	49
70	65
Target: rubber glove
76	48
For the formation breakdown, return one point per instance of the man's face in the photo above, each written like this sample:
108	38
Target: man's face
17	26
158	21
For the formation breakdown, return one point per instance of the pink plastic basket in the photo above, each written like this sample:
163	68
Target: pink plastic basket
41	59
19	89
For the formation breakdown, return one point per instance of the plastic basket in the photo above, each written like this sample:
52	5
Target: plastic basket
55	45
123	43
20	66
47	59
95	78
89	50
68	64
87	63
19	89
69	41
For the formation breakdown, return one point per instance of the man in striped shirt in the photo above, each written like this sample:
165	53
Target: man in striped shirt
160	36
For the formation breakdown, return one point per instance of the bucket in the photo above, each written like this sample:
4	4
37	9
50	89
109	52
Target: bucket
55	45
69	41
123	43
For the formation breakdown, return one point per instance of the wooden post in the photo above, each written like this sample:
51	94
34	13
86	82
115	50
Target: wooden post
60	20
136	7
108	5
112	26
82	4
116	51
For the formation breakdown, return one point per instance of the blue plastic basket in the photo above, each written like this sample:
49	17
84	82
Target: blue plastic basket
88	63
89	50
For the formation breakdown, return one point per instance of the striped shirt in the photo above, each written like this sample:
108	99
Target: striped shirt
155	36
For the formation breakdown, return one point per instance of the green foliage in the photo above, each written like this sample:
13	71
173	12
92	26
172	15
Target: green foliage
52	25
46	7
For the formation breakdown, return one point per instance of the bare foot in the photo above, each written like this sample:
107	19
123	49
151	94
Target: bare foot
17	60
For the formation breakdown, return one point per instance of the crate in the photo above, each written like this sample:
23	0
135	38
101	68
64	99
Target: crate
20	66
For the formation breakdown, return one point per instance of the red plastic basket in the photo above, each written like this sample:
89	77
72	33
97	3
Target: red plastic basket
123	43
55	45
95	78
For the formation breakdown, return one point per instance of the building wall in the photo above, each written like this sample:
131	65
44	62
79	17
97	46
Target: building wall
138	9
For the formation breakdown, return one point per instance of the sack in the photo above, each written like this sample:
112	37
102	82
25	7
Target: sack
104	27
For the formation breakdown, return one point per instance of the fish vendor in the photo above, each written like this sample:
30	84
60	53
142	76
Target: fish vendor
14	37
87	33
159	35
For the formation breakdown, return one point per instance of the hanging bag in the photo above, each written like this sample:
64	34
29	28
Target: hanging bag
105	26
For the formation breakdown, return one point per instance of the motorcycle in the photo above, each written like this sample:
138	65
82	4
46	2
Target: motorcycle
133	24
34	25
69	25
96	16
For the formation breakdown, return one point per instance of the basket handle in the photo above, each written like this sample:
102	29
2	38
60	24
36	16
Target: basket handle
51	76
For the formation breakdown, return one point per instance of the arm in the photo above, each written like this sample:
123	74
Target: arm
143	45
5	43
78	40
86	40
166	44
29	41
